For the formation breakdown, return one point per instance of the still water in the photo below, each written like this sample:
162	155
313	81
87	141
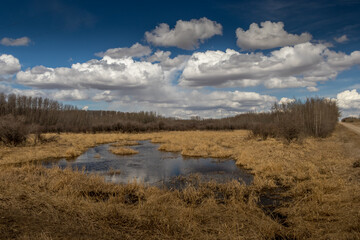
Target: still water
151	166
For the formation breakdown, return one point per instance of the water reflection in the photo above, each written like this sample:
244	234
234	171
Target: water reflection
152	166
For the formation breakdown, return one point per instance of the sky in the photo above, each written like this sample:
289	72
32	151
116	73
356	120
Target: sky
194	58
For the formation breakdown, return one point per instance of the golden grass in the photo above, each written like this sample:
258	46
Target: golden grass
62	204
125	142
122	151
317	176
68	145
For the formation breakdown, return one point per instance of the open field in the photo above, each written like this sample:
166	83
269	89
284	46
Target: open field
316	179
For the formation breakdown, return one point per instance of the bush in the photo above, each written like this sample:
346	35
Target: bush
13	131
263	130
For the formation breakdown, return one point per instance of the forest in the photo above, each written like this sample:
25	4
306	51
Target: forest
22	115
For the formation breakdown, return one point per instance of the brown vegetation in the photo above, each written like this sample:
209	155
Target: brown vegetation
125	142
315	117
38	203
319	188
317	179
351	120
122	151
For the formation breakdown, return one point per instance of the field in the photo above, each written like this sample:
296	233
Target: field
315	180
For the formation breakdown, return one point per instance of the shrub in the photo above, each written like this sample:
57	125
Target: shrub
13	131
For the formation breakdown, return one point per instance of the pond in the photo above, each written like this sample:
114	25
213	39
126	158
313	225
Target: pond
151	166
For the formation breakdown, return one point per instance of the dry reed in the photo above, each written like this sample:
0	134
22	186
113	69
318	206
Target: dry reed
317	178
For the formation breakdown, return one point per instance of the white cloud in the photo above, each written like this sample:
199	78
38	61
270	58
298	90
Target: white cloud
136	50
185	35
107	73
104	96
68	95
349	99
234	101
312	89
269	35
285	100
184	104
167	63
9	64
341	39
23	41
7	89
303	65
341	61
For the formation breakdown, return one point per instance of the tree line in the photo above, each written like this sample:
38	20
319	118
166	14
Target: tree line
21	115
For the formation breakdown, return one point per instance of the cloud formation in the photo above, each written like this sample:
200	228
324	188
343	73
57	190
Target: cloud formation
9	65
349	100
168	64
186	34
341	39
23	41
68	95
171	101
268	35
107	73
136	50
303	65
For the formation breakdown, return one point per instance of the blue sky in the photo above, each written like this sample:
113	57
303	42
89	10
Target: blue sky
206	58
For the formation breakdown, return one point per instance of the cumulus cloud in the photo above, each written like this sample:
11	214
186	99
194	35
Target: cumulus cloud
23	41
235	101
9	65
268	35
184	104
186	34
167	63
136	50
341	39
8	89
302	65
107	73
105	96
68	95
349	100
285	100
312	89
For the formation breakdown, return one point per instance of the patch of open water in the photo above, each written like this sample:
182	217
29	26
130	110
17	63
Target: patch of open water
151	166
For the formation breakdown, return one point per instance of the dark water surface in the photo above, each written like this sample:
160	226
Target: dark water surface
151	166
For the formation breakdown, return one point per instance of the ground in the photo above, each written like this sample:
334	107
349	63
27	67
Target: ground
316	180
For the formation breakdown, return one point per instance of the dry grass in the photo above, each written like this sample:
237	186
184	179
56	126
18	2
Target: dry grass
68	145
114	171
125	142
55	204
122	151
317	176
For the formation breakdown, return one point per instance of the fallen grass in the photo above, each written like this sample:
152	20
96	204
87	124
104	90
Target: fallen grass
317	177
38	203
